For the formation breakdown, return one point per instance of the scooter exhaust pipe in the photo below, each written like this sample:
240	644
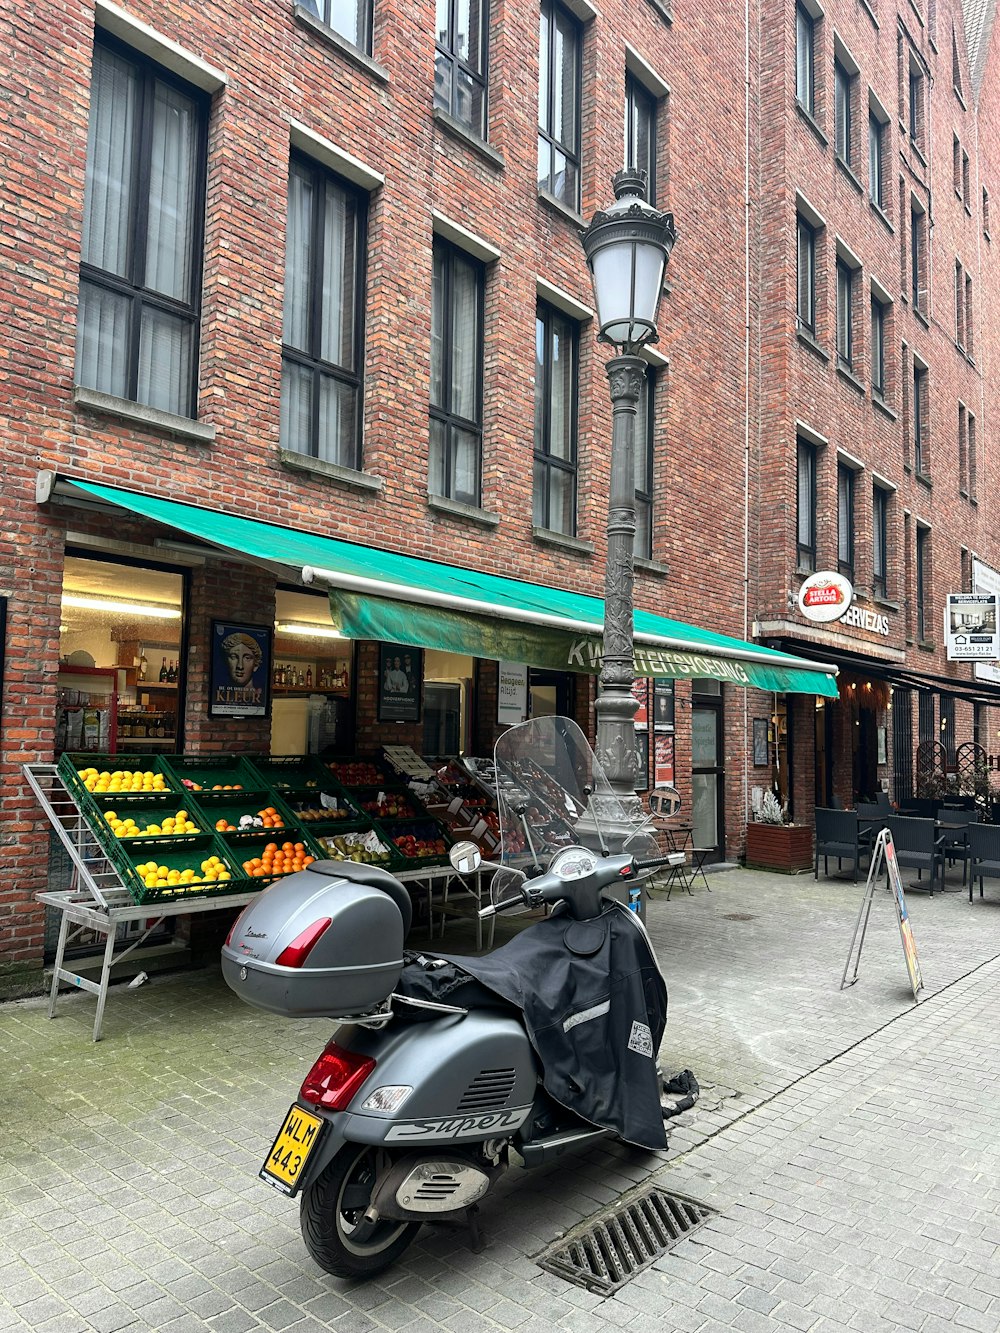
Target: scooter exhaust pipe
417	1188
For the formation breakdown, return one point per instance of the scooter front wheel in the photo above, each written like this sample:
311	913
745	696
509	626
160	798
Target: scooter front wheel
332	1211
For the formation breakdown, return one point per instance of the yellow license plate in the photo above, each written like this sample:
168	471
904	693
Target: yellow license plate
285	1164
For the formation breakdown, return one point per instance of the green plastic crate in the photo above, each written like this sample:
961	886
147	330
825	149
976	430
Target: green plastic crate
71	762
150	809
246	847
233	805
208	770
390	861
175	854
346	817
290	772
407	806
349	771
427	829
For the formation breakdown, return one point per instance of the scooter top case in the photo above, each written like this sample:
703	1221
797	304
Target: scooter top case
326	942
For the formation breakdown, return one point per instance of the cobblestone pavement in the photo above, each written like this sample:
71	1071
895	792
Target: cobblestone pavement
849	1141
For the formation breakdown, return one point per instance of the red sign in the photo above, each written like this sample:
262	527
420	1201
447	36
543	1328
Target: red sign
663	762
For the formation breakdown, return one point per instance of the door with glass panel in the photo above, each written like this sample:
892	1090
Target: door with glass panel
706	773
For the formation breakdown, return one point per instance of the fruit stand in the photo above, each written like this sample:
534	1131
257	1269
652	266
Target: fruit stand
174	834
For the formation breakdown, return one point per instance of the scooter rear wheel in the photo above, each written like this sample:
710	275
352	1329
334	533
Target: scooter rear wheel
331	1214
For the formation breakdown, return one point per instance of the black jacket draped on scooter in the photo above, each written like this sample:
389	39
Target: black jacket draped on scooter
594	1006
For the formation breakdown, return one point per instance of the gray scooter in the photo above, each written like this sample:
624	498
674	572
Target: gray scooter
442	1067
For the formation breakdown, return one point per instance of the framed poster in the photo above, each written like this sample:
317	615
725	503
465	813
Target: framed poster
400	682
640	693
663	703
760	742
663	758
641	759
239	679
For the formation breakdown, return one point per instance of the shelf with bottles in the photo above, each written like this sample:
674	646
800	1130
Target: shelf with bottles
146	724
298	676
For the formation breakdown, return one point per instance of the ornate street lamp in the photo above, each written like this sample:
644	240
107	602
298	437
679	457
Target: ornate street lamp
627	247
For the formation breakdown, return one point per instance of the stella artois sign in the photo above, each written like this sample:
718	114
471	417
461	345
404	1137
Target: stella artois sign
825	596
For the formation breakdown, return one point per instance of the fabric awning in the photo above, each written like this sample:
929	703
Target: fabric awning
396	598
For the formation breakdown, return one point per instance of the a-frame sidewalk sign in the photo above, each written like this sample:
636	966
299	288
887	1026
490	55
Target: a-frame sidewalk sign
884	855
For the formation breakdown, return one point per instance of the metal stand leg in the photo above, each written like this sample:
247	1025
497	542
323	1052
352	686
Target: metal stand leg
60	950
102	992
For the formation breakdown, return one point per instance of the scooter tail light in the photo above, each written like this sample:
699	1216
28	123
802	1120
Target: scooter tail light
335	1078
296	953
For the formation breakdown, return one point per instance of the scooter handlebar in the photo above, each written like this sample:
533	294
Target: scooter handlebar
654	861
492	910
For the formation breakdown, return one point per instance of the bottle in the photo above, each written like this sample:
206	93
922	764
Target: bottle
309	678
163	671
301	679
143	666
172	672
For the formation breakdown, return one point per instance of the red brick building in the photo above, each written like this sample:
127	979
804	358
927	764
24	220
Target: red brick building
318	266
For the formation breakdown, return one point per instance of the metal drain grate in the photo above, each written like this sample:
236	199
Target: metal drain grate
610	1251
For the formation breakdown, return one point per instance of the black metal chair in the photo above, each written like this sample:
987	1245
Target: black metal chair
984	854
918	846
871	820
883	802
956	841
838	834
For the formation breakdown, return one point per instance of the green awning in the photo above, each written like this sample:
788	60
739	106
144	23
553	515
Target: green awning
402	599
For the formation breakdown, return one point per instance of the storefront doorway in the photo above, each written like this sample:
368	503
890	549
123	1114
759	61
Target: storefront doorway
707	786
549	693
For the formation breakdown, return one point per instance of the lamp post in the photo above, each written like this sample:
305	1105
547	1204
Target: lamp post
627	247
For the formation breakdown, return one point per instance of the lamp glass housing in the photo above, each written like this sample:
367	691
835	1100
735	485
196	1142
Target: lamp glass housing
628	282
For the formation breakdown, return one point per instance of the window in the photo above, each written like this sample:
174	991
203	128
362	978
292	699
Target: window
805	54
918	284
973	461
876	130
560	39
878	347
460	61
323	319
969	338
956	165
140	270
644	425
806	505
842	82
921	453
915	103
845	520
966	188
963	451
806	268
923	572
350	18
986	212
845	315
880	540
556	339
959	304
925	717
456	375
640	132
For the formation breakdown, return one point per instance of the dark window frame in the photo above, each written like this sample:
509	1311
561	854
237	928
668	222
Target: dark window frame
921	386
639	100
918	239
845	314
445	52
879	311
805	522
805	59
132	285
876	147
846	483
843	113
805	241
543	456
450	419
644	453
880	541
323	11
921	571
311	359
573	153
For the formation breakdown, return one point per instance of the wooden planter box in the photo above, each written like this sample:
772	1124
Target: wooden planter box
784	847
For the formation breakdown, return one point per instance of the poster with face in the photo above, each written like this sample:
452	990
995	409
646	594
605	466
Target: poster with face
240	670
400	683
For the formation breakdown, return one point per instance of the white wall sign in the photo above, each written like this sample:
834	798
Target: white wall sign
825	596
512	693
970	626
872	621
985	579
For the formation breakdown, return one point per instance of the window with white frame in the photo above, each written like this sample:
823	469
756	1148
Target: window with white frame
143	217
323	328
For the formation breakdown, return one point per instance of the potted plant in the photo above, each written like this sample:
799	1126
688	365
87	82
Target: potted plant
774	845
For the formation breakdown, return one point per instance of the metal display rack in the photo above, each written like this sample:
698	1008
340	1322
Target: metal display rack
98	901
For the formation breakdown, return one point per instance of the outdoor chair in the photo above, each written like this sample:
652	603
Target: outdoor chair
955	841
918	846
984	854
871	819
883	802
838	834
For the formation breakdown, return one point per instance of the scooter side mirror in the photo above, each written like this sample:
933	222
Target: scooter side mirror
664	802
465	857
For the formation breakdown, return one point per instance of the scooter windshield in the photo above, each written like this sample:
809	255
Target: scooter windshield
552	793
